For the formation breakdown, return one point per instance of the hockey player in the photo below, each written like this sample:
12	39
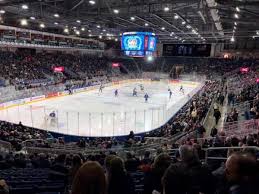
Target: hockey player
170	93
181	89
134	92
116	92
146	97
101	88
141	87
52	114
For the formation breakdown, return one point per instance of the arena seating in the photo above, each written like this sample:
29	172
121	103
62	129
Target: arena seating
181	142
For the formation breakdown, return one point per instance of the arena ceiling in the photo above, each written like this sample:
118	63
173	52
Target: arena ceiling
172	20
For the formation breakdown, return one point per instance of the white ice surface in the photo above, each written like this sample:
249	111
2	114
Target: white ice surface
94	114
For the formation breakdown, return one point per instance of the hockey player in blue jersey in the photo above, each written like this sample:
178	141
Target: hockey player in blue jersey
116	92
146	97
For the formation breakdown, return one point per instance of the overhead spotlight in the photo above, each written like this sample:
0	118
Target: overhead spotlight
92	2
166	9
188	26
237	8
66	30
236	15
146	24
24	6
74	27
100	37
176	16
257	32
56	15
32	18
116	39
42	25
56	23
83	29
170	35
232	39
2	11
24	22
132	18
235	23
183	22
163	28
90	35
104	30
89	30
98	26
78	21
116	11
77	32
175	37
150	58
183	40
234	31
120	34
235	27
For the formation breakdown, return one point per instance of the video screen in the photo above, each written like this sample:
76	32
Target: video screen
151	43
133	43
138	44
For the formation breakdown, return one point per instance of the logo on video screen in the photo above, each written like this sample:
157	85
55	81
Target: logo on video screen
133	43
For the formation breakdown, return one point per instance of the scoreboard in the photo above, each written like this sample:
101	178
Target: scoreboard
192	50
138	44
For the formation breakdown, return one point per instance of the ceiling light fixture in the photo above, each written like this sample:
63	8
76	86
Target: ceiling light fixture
116	11
166	9
237	8
32	18
146	24
42	25
24	6
92	2
236	16
2	11
132	18
56	15
24	22
176	17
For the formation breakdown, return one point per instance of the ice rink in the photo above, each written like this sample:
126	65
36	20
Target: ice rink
93	113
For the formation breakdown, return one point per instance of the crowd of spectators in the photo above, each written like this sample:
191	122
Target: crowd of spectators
180	171
26	70
190	117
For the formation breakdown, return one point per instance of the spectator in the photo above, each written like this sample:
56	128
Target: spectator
76	164
118	179
217	115
152	180
59	165
242	174
89	179
176	180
